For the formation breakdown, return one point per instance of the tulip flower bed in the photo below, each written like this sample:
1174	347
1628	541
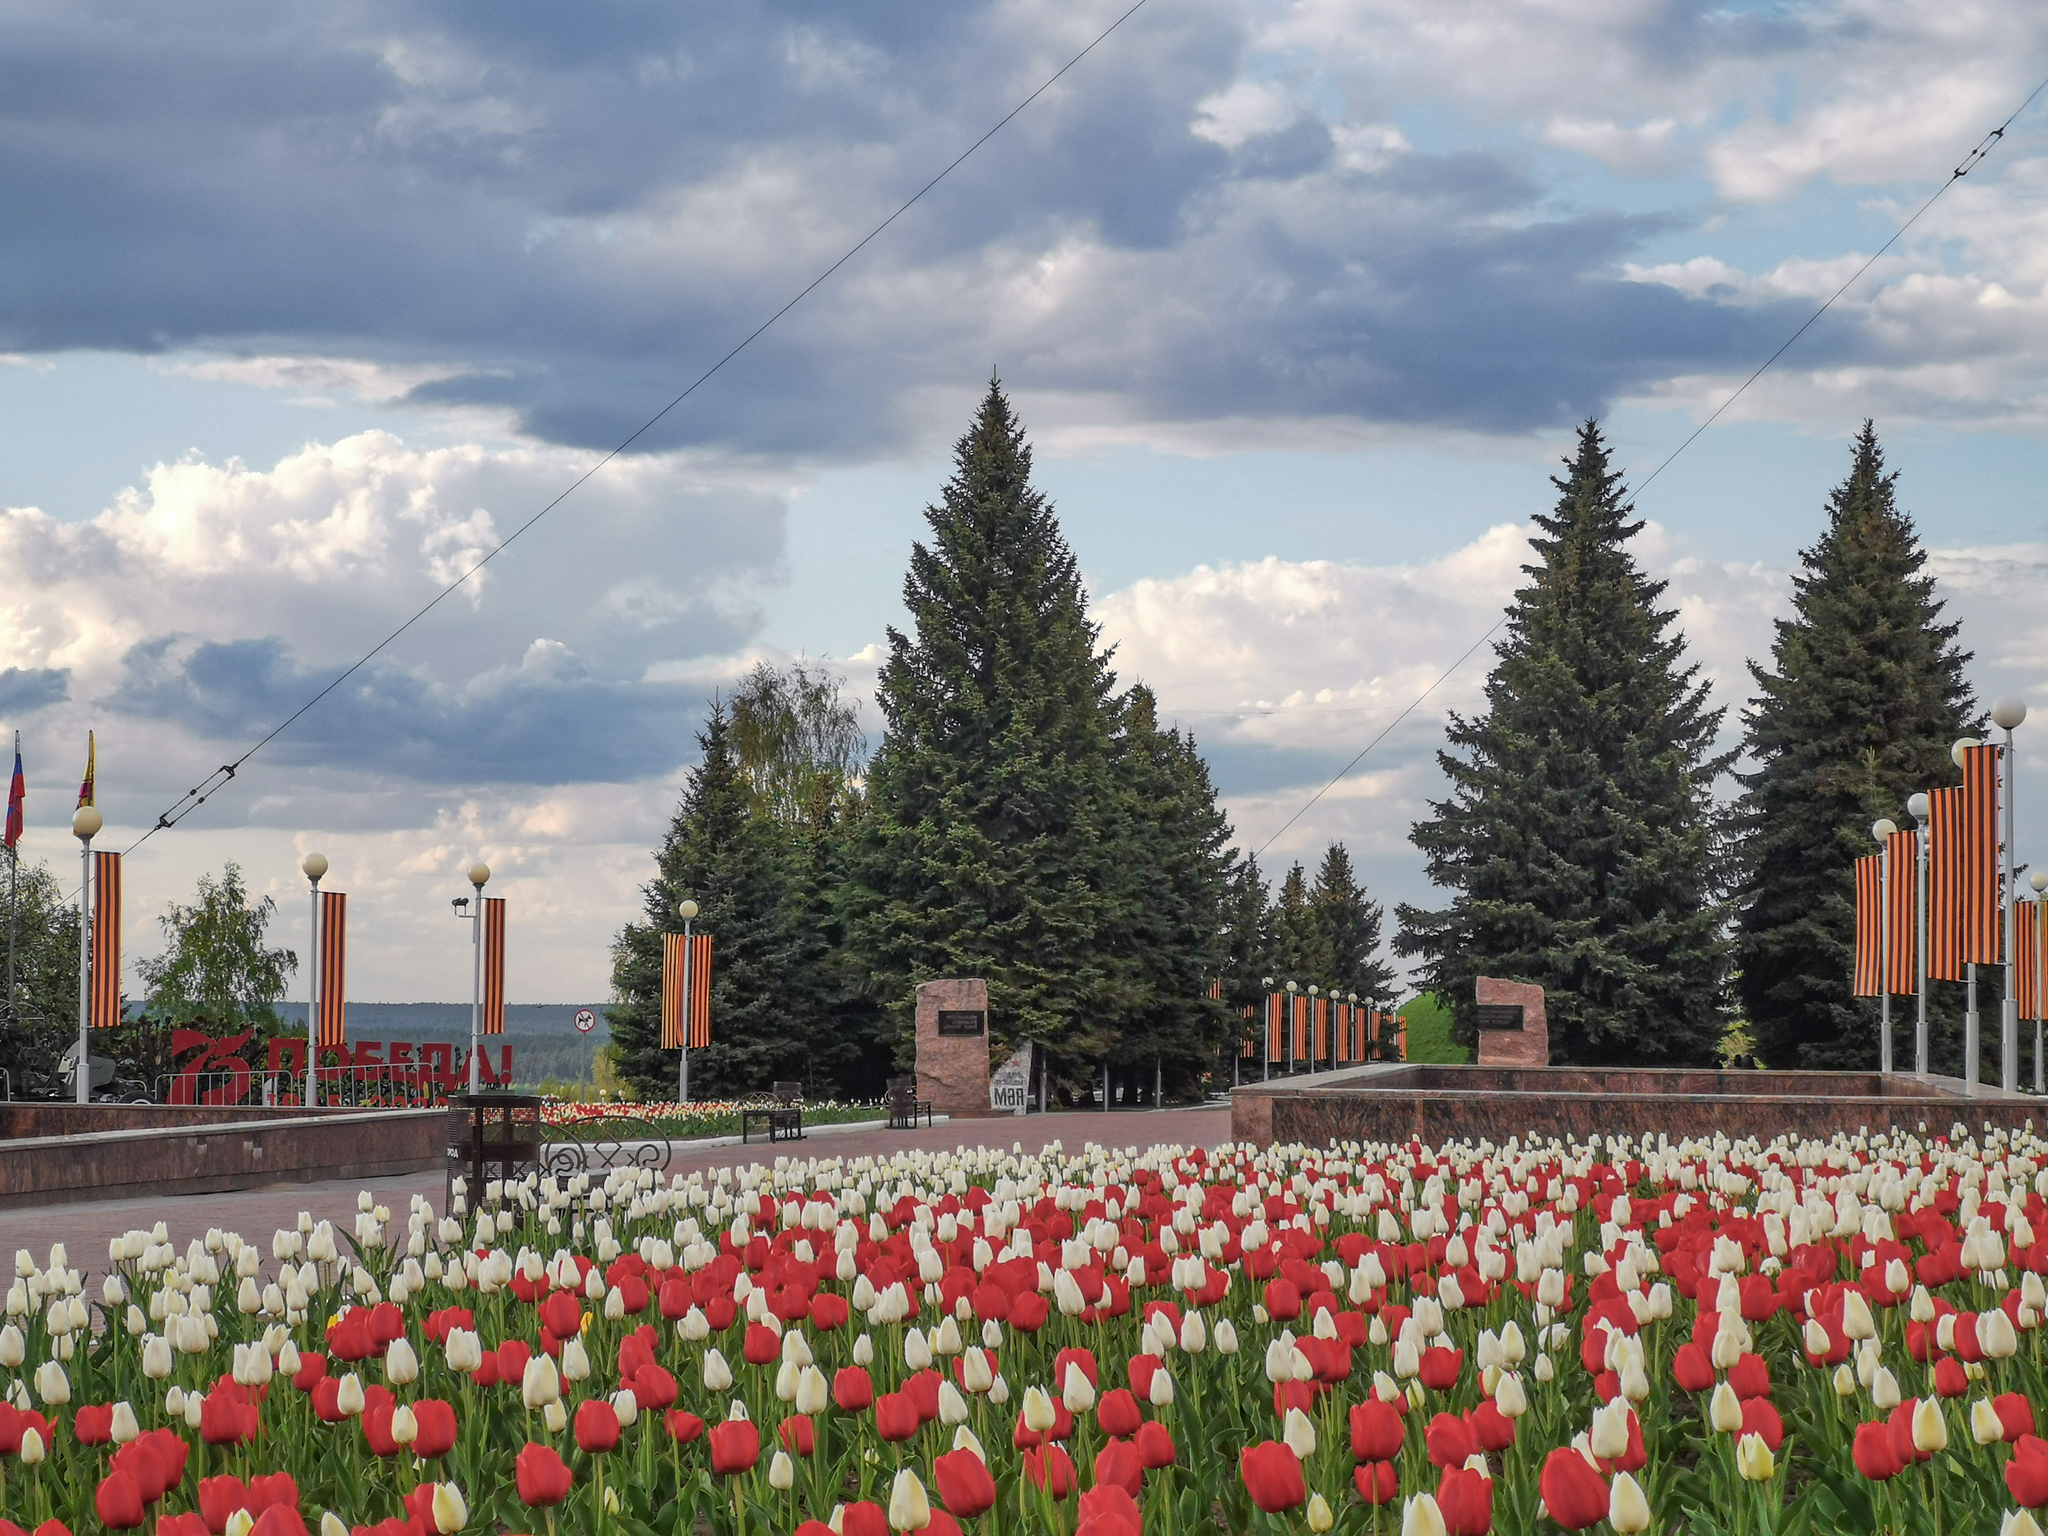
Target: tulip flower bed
680	1122
1700	1338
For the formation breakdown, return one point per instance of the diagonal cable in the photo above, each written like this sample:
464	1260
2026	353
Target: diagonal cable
198	795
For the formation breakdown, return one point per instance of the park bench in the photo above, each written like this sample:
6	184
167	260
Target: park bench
905	1106
784	1118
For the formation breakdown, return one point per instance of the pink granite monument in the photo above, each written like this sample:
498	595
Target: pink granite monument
952	1046
1513	1031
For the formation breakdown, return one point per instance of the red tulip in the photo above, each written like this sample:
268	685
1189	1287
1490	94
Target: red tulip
117	1501
377	1428
653	1388
1494	1430
1573	1490
923	1391
1118	1414
683	1427
797	1434
1899	1424
512	1357
1117	1464
1272	1476
1140	1371
1155	1446
386	1323
1751	1377
864	1519
1283	1302
1465	1500
562	1315
1450	1440
829	1311
436	1420
1051	1468
51	1527
1028	1311
597	1425
1760	1418
220	1497
166	1525
2026	1475
965	1486
312	1366
896	1416
141	1460
1081	1357
1441	1368
735	1446
280	1520
268	1492
1874	1456
1376	1431
1692	1369
2015	1413
93	1425
852	1389
223	1421
543	1477
327	1400
1107	1510
1376	1481
762	1344
1950	1380
348	1336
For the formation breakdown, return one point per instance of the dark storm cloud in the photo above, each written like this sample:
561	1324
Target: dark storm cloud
582	207
23	690
549	721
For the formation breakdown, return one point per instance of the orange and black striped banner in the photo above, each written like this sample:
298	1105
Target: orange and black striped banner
494	966
2026	941
331	981
1274	1025
1945	885
1343	1031
1901	913
1250	1045
105	994
1868	924
1319	1032
672	971
1982	927
1297	1026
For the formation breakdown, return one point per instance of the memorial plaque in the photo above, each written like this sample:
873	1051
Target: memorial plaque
960	1022
952	1045
1514	1030
1500	1016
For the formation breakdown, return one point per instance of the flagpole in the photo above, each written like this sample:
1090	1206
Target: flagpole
85	822
479	873
13	888
314	867
1919	808
2007	714
689	911
1882	830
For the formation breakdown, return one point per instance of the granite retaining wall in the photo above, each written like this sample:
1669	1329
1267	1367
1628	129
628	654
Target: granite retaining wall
1434	1104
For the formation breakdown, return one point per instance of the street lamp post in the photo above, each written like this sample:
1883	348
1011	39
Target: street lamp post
689	912
1882	829
1266	1031
1917	807
1287	1027
2008	714
85	825
1308	1029
314	866
479	875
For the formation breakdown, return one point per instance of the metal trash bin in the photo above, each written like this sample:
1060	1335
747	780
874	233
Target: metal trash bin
490	1136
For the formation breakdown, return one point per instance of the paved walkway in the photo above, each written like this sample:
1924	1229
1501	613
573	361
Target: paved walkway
86	1227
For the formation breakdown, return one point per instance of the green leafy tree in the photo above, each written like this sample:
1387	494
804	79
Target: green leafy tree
44	1018
1578	833
1856	712
215	965
798	742
995	823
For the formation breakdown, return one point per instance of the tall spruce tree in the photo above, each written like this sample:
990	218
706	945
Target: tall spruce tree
1577	834
1856	712
1350	923
991	846
1176	861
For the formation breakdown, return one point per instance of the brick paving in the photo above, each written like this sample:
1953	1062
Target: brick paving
85	1227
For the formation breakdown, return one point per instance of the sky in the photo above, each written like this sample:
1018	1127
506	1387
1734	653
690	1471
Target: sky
304	308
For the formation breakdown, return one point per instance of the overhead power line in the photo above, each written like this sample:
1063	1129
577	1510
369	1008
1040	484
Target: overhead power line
222	776
1968	164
